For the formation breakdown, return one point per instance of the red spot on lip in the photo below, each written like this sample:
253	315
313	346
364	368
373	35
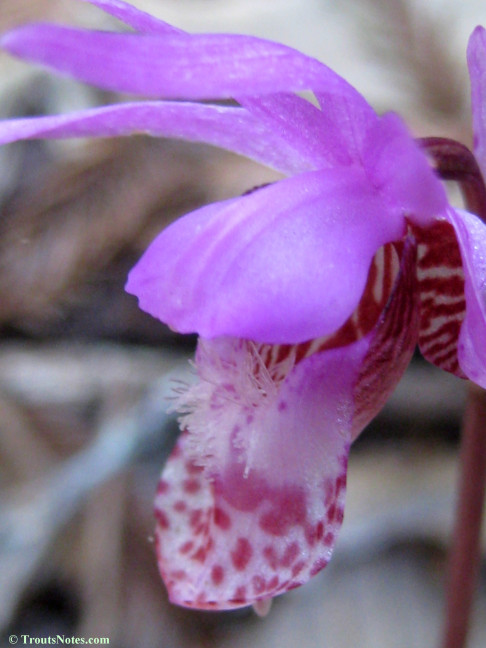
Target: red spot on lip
311	534
318	566
217	574
191	486
240	594
200	528
270	555
200	554
186	547
272	584
195	518
340	483
162	487
328	539
290	555
198	522
192	469
179	574
242	554
288	510
298	567
221	519
331	513
180	506
162	519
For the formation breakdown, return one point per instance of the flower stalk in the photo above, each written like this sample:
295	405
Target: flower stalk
465	551
454	161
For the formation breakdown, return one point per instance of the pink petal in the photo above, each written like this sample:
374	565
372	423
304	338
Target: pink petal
308	128
231	128
476	58
252	498
157	64
352	117
398	167
471	236
317	133
197	66
284	264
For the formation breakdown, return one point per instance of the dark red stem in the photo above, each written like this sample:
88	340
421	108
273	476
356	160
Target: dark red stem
465	552
454	161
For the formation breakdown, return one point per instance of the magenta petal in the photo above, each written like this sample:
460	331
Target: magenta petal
322	135
400	170
195	66
231	128
471	236
130	15
351	116
476	58
300	123
284	264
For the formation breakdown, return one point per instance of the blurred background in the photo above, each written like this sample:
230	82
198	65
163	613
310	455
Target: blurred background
85	376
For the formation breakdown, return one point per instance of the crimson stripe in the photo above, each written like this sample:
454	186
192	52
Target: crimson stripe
439	251
440	310
435	351
391	347
451	286
434	256
451	328
449	355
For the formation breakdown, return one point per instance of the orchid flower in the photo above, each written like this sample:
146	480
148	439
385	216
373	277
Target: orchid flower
309	295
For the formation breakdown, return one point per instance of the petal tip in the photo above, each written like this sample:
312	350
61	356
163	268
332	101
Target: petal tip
7	40
476	41
21	41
